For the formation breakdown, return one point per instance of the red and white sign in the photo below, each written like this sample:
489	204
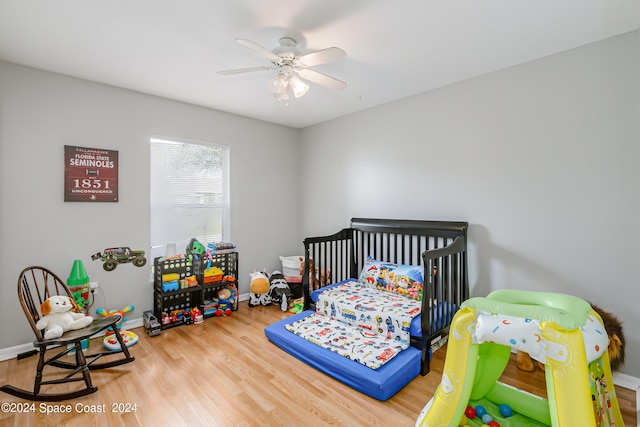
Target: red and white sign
90	174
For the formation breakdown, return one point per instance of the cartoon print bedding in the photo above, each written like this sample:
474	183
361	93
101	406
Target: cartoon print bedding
361	323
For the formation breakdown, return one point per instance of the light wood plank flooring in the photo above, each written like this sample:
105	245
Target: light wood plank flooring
226	373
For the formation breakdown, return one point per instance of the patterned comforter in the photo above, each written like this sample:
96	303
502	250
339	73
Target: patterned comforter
359	322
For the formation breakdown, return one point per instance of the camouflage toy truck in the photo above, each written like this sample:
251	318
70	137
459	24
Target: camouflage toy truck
111	257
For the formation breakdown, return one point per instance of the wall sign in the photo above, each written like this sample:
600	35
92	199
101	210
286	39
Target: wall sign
90	174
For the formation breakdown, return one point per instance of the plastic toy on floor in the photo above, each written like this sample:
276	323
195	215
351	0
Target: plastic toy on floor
296	306
110	342
279	290
197	316
259	289
561	331
151	324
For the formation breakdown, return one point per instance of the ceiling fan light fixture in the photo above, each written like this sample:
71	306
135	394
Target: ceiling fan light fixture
292	66
279	84
283	81
298	87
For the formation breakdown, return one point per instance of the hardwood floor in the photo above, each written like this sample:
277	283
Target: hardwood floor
226	373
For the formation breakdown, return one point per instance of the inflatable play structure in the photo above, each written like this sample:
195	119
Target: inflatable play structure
561	331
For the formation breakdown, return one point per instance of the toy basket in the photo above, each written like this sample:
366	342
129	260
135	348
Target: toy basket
291	268
177	266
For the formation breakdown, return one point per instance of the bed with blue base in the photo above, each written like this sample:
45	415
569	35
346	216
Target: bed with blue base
436	248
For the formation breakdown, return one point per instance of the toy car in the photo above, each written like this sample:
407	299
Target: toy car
186	317
151	324
197	316
166	320
111	257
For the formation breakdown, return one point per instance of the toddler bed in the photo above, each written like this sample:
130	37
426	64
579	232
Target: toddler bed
379	266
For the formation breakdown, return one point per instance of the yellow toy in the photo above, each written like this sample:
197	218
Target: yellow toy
110	342
561	331
212	274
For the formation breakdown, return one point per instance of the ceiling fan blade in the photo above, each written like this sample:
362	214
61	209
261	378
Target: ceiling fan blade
243	70
321	79
257	48
330	54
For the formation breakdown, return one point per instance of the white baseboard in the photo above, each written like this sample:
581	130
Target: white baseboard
11	352
626	381
631	383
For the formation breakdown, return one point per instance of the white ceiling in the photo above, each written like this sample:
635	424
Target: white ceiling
395	48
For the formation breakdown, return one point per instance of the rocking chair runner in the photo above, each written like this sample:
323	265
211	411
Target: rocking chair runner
35	285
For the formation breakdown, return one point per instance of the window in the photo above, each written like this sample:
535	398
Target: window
189	194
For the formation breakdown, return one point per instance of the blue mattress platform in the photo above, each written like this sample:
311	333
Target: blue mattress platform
381	383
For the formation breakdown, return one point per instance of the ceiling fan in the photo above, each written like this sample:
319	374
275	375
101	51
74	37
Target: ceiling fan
293	67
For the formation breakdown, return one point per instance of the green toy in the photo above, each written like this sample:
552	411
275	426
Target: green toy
78	283
297	305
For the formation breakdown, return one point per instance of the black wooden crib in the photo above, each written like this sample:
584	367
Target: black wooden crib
437	248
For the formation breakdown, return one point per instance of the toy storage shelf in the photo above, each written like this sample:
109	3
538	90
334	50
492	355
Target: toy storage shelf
182	299
167	300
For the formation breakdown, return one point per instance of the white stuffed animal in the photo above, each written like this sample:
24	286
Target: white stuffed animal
259	289
57	317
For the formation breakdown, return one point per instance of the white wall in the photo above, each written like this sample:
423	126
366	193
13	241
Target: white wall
542	159
41	112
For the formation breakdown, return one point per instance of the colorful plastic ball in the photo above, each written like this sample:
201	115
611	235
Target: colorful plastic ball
486	418
470	412
505	410
480	411
463	421
494	423
484	425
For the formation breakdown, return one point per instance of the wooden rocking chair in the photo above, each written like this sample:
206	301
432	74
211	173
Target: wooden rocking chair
35	285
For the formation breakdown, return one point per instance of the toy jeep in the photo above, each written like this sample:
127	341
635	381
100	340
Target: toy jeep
113	256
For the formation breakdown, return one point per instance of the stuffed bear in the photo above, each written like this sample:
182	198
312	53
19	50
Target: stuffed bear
279	290
319	277
57	317
259	289
613	327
